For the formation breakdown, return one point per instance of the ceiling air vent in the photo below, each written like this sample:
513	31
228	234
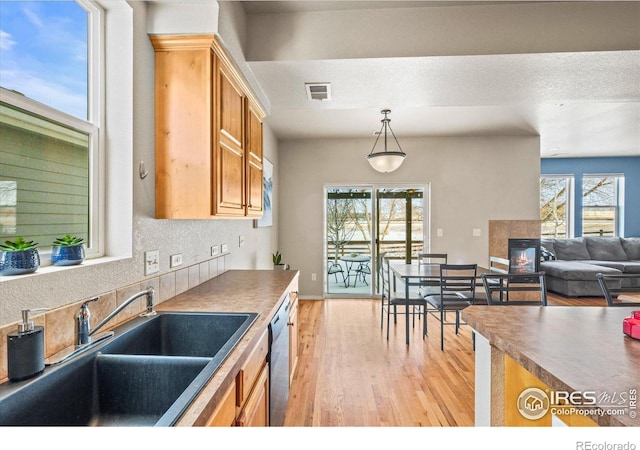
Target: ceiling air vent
318	91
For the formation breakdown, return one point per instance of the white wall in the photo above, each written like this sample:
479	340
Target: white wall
473	180
130	143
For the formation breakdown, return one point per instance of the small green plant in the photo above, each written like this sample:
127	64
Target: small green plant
18	245
277	257
68	241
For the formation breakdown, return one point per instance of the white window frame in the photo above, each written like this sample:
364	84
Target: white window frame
570	210
92	127
618	229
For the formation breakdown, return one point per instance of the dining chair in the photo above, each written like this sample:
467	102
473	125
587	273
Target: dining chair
510	289
399	299
614	291
497	265
430	286
334	269
457	291
362	271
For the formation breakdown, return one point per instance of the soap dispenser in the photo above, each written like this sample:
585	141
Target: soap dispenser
25	349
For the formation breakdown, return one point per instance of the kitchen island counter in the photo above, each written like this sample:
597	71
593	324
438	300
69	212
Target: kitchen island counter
568	349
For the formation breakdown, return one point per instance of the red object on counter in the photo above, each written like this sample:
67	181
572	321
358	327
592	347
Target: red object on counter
631	325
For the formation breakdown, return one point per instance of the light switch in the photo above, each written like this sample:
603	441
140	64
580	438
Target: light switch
476	232
439	232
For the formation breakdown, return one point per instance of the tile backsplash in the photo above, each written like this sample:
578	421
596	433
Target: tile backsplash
59	323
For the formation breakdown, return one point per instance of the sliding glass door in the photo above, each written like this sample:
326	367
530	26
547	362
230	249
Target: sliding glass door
362	222
348	236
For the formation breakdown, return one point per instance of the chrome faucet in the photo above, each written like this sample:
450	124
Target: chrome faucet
83	326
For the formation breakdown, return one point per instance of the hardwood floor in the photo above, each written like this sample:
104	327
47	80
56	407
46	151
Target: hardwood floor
350	375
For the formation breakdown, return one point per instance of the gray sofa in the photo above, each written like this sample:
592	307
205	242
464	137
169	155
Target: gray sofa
577	261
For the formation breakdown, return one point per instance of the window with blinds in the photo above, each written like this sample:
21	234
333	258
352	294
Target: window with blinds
44	178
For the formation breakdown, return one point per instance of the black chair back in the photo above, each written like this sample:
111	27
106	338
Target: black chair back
615	285
515	289
458	280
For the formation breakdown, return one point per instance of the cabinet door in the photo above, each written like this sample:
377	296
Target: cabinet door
229	151
225	413
254	162
293	336
183	127
256	410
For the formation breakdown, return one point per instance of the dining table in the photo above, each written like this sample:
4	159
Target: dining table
350	260
412	275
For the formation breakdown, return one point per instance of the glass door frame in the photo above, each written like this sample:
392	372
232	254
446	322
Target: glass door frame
373	187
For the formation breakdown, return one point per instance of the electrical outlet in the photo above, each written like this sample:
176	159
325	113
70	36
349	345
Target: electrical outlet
241	241
215	250
151	262
476	232
176	260
225	248
313	277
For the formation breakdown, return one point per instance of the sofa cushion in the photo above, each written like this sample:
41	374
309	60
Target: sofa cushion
606	249
571	249
619	265
631	247
631	267
574	270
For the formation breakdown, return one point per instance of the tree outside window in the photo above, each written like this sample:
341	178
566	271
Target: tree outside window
555	206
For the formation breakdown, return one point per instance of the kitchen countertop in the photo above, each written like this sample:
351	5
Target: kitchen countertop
567	347
259	291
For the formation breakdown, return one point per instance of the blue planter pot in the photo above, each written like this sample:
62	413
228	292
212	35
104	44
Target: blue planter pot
20	262
67	256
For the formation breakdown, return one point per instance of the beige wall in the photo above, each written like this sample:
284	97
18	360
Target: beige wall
472	180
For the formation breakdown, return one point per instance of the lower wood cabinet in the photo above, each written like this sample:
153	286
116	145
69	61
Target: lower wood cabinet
252	387
255	412
225	413
245	403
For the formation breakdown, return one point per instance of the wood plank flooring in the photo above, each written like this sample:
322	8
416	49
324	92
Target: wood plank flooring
350	375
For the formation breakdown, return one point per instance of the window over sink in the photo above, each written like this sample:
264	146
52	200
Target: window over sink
50	117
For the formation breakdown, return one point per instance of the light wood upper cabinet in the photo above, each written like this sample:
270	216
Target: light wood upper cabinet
254	161
208	132
229	151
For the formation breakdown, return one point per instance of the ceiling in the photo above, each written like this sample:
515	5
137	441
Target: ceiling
567	71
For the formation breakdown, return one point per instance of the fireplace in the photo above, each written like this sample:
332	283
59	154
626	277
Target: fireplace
524	255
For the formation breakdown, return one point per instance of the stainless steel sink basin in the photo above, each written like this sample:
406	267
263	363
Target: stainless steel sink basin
146	375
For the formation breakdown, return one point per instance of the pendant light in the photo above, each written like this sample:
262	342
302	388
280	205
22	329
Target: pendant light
386	161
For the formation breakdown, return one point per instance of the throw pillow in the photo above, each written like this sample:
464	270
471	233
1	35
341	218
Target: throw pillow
546	255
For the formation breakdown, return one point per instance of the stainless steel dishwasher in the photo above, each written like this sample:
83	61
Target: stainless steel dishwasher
279	364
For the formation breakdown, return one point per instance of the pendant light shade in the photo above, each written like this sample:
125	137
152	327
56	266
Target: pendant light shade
386	161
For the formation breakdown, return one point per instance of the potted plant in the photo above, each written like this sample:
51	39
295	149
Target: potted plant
67	251
277	260
19	257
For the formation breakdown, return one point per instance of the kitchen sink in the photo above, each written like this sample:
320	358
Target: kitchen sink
146	375
180	334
